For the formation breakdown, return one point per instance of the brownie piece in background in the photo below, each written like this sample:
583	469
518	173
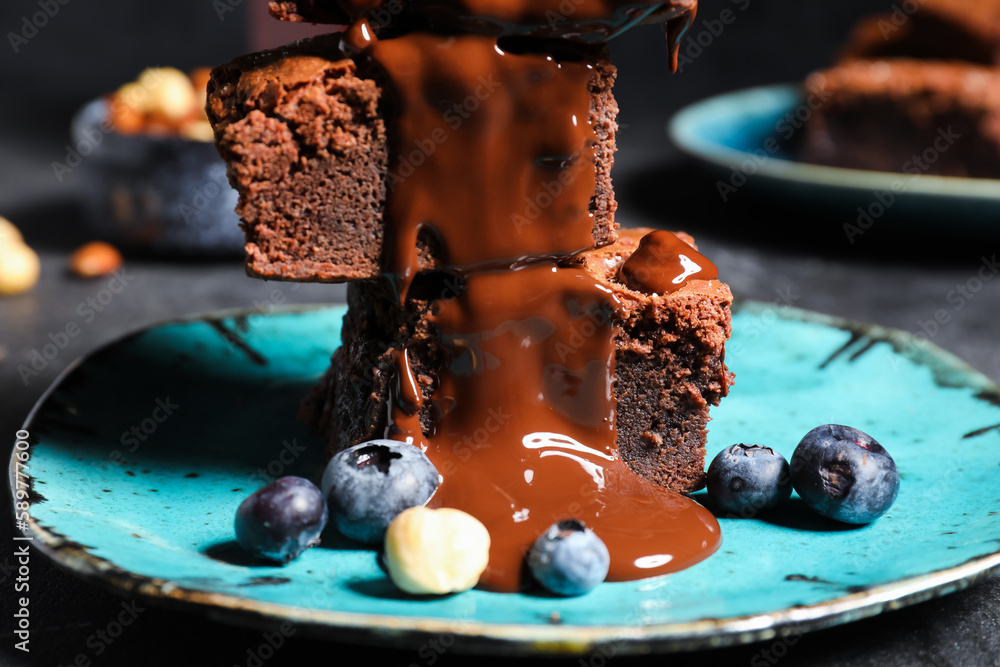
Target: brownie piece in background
930	29
910	116
915	91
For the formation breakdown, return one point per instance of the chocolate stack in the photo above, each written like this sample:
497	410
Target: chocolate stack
451	159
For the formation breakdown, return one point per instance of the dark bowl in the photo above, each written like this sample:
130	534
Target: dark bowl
166	195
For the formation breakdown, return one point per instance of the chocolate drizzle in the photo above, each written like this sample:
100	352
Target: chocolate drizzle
494	158
494	152
663	264
586	21
676	28
525	426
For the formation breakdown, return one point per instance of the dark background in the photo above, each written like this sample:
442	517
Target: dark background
896	277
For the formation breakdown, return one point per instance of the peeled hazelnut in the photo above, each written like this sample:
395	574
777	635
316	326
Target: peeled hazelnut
124	118
9	234
133	97
436	551
19	268
170	92
95	259
197	130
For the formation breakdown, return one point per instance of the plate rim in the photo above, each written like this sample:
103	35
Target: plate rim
680	130
517	638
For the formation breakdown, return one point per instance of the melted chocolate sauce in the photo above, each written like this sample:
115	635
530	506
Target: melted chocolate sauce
494	152
663	264
578	20
494	158
525	434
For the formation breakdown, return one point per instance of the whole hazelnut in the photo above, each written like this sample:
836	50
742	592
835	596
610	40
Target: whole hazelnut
132	97
19	268
9	233
436	551
95	259
170	92
197	130
124	117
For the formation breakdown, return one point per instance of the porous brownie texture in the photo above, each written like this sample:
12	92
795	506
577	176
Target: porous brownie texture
903	115
305	136
669	367
669	364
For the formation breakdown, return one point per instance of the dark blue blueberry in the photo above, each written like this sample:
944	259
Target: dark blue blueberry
842	473
747	479
367	485
281	520
569	559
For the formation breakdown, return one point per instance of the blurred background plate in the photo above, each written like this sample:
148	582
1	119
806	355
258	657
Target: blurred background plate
747	139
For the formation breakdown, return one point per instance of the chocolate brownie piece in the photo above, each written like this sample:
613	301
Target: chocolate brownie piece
669	367
303	131
933	29
911	116
669	364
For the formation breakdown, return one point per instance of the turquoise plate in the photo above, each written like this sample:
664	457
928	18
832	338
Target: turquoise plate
141	453
747	138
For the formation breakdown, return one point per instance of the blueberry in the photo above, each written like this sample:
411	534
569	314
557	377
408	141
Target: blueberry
281	520
844	474
569	559
367	485
747	479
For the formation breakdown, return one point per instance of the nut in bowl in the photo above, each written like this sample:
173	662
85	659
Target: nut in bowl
162	101
148	173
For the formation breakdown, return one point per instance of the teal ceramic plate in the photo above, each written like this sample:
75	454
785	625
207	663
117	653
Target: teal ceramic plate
141	453
747	138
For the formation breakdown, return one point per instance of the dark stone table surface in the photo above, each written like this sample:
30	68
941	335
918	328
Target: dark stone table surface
764	248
